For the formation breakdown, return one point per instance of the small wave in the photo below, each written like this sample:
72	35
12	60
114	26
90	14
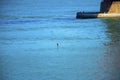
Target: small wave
45	38
33	19
17	21
9	17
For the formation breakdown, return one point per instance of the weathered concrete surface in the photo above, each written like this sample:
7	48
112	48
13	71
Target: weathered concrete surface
108	15
115	7
107	10
110	7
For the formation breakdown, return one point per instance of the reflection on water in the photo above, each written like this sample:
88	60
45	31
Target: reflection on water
113	29
112	56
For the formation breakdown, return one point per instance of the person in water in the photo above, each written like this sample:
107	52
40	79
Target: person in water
57	44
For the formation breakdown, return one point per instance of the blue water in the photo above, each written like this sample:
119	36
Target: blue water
42	40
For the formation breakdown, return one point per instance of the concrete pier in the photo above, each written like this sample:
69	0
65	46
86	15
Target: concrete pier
84	15
96	15
108	15
108	9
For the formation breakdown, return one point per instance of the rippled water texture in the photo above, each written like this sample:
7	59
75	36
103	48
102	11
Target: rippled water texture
42	40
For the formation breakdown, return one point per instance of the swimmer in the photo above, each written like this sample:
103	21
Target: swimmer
57	44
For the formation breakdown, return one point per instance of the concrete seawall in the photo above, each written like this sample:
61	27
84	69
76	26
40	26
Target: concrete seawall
87	15
107	10
103	15
113	7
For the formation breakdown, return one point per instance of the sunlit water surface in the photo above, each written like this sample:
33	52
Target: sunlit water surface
42	40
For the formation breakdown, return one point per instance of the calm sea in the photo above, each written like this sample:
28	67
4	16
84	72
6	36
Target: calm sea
42	40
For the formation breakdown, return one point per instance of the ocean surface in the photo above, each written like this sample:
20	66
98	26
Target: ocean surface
42	40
